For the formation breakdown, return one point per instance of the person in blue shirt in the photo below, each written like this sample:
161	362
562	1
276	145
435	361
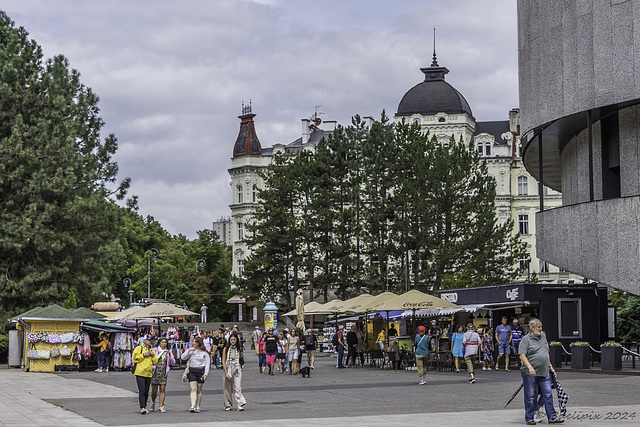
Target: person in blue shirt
503	336
421	345
516	337
456	349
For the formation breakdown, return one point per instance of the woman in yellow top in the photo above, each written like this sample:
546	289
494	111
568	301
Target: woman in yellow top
145	359
104	351
382	337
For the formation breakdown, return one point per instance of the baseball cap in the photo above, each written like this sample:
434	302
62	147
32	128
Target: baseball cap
422	329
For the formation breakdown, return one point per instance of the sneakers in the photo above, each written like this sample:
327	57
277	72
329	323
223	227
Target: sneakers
312	367
457	371
538	416
484	369
162	410
531	423
153	407
472	380
192	409
423	382
556	420
144	411
197	411
228	408
98	370
240	408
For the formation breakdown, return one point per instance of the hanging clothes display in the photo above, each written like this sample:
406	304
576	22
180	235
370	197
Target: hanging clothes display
123	349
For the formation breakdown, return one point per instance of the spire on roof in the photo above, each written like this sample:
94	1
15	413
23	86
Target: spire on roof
435	59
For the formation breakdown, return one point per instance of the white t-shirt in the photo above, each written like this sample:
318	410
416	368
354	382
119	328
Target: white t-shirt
198	359
207	343
471	337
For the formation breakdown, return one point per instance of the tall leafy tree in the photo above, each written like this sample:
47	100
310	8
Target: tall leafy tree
57	180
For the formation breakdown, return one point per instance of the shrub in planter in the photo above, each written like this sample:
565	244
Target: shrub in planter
555	353
580	355
611	356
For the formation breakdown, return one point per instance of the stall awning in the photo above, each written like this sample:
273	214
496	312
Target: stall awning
469	308
97	325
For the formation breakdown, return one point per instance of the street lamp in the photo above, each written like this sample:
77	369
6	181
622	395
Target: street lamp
155	258
200	264
130	292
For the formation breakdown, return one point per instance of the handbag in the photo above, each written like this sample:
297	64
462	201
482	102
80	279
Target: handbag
32	354
32	338
55	352
54	339
185	375
133	368
44	354
65	351
66	338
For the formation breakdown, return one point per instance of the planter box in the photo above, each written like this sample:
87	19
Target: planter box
611	359
555	356
580	357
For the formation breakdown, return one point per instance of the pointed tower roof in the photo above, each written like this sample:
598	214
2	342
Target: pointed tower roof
247	143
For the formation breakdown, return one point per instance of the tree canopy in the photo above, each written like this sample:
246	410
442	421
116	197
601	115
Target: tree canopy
385	206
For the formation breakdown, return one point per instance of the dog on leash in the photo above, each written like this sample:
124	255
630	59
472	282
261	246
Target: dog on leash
306	372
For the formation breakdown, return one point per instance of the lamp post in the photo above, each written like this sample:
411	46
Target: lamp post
127	283
200	264
130	292
155	258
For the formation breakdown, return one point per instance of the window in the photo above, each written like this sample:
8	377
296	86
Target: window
545	190
480	149
570	318
487	150
416	121
240	194
543	266
523	186
240	268
255	193
525	263
523	224
240	231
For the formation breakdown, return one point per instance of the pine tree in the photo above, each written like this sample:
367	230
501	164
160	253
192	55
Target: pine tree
70	303
57	180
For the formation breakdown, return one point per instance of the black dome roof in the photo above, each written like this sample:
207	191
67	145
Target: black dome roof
433	96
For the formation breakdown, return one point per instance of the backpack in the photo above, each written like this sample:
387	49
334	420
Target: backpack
309	340
334	340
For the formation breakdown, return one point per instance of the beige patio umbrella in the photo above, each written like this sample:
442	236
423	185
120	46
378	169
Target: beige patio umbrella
375	301
354	305
300	310
123	314
323	308
413	300
308	308
159	310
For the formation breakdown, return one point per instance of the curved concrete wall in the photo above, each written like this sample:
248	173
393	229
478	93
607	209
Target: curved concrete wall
598	240
575	55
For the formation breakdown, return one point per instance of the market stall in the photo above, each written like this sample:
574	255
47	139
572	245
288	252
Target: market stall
51	337
120	337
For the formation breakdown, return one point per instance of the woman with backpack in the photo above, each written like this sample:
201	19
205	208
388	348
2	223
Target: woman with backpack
144	358
104	351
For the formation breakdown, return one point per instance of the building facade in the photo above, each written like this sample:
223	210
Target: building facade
224	230
444	112
579	79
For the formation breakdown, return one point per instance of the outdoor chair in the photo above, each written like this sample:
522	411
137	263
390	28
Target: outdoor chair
375	356
432	361
445	361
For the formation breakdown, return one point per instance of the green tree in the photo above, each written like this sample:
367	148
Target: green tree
57	180
70	303
628	321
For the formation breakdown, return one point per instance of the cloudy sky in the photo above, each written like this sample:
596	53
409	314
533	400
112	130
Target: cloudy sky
172	75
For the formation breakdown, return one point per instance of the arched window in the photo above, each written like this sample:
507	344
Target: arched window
240	194
416	121
254	193
240	231
487	149
480	149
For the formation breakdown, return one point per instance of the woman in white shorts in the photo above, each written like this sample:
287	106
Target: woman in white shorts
294	348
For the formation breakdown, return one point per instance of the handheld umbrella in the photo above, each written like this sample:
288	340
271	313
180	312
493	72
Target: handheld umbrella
513	396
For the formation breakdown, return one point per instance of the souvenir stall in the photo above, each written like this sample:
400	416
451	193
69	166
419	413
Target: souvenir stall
52	339
120	337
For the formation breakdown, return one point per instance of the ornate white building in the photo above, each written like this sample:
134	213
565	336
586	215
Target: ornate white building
441	110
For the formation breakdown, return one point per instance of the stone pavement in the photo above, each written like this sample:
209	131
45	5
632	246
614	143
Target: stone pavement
363	397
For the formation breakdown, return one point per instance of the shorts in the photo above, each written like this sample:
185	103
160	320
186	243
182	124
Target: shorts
293	355
281	356
311	353
271	358
504	348
195	375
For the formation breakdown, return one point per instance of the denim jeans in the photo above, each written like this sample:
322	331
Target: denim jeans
531	386
340	355
102	360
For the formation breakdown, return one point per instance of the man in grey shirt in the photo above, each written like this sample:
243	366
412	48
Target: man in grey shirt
534	355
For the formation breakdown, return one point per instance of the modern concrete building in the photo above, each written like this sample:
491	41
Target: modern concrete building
579	96
223	228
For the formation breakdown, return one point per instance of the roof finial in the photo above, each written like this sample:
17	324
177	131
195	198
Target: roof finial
435	59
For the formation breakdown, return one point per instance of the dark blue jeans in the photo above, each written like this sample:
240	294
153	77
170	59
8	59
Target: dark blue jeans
102	360
340	355
531	386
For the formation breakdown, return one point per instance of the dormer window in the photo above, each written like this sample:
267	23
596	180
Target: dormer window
416	121
442	120
487	150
